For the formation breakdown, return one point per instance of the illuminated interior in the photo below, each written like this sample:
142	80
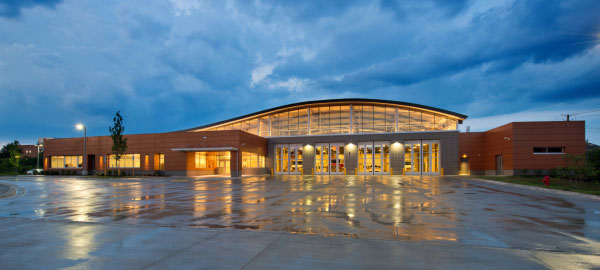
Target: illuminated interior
422	157
288	158
341	118
66	162
126	161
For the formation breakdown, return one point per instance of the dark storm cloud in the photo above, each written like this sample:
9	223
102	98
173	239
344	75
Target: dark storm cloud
527	31
185	63
12	8
584	87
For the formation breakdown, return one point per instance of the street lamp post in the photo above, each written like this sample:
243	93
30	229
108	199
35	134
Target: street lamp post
80	127
38	154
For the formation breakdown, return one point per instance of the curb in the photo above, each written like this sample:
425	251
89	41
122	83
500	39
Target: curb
557	191
12	190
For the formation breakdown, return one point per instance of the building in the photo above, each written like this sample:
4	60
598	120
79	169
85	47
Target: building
521	147
29	150
338	136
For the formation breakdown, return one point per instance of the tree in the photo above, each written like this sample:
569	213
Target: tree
5	151
10	156
119	143
15	156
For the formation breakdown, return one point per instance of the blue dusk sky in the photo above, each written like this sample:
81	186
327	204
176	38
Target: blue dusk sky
175	64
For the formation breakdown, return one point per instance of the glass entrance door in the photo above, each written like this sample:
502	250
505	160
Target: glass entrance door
322	158
288	159
381	158
374	158
336	158
365	158
422	157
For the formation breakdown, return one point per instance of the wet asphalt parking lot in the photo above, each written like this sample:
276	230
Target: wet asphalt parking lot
555	229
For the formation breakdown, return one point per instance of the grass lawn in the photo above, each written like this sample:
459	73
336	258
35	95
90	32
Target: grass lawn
555	183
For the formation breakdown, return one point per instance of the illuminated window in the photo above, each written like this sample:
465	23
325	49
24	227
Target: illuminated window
200	160
379	124
303	122
427	121
293	123
252	160
161	162
264	126
335	118
415	121
66	161
126	161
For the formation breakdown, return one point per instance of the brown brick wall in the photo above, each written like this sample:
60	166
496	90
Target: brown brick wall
151	144
517	151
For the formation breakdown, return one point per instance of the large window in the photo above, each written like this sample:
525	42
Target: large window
343	119
200	160
252	160
126	161
161	162
67	161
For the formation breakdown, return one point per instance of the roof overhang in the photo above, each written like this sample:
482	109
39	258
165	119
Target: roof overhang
204	149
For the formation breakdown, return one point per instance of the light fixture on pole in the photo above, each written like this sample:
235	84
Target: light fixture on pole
82	127
39	145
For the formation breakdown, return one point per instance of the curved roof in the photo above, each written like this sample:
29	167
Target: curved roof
459	116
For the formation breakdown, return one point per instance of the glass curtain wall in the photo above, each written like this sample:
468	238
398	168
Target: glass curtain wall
335	119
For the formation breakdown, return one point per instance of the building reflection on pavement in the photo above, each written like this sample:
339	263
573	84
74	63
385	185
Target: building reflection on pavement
375	207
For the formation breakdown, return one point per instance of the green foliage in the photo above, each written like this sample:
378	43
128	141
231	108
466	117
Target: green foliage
5	151
116	133
578	168
593	158
15	157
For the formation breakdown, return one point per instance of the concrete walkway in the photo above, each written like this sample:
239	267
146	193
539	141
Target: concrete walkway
46	244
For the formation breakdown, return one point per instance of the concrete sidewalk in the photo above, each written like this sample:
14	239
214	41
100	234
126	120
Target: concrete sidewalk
48	244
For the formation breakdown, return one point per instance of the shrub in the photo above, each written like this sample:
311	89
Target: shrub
577	168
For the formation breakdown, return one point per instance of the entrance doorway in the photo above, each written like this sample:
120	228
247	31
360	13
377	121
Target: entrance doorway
288	159
422	157
374	158
464	166
499	165
329	158
91	163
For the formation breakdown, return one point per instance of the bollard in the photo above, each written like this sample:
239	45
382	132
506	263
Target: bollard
344	171
356	171
403	171
271	171
391	171
442	171
313	171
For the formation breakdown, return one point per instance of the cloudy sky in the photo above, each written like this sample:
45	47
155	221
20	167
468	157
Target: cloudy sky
175	64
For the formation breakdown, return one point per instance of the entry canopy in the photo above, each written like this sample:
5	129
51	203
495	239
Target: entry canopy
204	149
